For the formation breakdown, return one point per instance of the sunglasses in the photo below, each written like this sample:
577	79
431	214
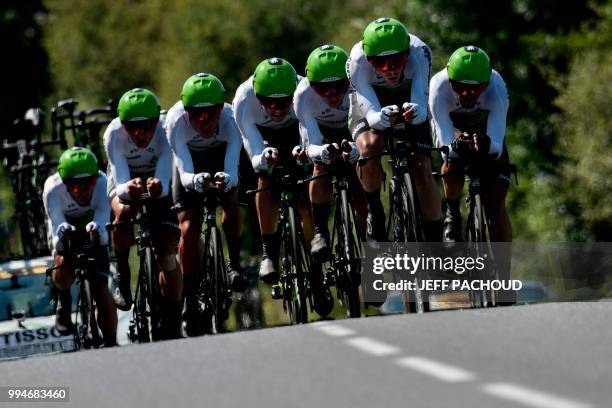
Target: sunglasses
142	125
388	62
330	88
463	89
81	184
277	103
204	112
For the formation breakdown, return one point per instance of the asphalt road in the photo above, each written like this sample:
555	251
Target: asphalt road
549	355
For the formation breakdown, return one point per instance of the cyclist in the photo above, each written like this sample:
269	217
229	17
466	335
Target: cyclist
77	207
140	161
206	145
472	97
389	69
263	109
321	104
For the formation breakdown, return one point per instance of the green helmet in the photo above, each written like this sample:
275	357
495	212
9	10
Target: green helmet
77	161
138	104
274	77
385	36
326	63
202	90
469	64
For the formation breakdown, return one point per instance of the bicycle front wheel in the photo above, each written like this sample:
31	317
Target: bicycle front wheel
352	257
218	281
299	260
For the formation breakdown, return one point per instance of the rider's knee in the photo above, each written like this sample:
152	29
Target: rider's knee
420	166
190	230
369	143
168	262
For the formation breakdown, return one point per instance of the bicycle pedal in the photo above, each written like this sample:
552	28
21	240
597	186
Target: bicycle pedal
277	293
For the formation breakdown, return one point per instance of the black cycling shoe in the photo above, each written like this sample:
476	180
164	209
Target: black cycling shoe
119	286
268	272
63	308
452	226
319	248
323	300
191	317
376	229
235	277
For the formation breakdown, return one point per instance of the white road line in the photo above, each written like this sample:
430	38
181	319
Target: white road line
372	346
436	369
335	330
530	397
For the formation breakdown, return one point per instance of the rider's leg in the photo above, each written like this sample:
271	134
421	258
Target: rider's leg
429	196
267	205
320	192
62	279
122	239
371	175
231	221
453	186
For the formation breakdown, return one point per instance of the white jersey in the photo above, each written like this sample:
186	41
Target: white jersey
443	101
312	112
364	77
183	139
59	206
249	114
126	160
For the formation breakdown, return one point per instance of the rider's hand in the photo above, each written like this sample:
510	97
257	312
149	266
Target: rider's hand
299	154
414	113
482	144
386	116
329	153
135	188
269	156
224	181
462	145
93	228
353	155
63	230
154	187
201	181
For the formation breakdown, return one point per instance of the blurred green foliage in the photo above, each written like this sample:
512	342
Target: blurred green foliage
555	59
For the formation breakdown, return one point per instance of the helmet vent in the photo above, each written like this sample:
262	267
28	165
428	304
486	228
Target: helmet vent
471	48
326	47
275	61
201	75
382	20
